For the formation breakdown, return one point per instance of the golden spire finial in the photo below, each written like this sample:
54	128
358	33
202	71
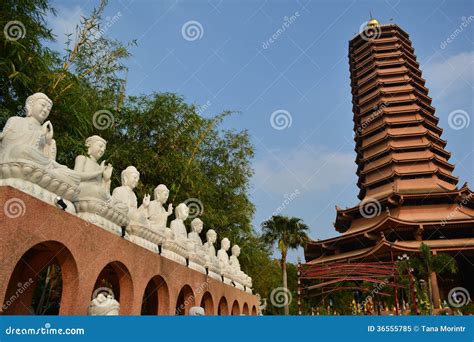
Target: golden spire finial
372	21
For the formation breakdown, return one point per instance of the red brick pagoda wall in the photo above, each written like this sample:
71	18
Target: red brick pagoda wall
38	234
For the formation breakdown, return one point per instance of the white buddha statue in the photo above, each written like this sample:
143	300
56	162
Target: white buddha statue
224	264
156	213
177	245
125	194
28	152
197	255
104	305
213	267
95	204
139	227
238	276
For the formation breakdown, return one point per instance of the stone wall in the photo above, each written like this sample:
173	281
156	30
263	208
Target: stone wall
35	234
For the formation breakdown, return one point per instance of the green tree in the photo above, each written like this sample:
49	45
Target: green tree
287	233
426	263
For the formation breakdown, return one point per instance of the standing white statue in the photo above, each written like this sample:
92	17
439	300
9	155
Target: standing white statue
139	226
177	246
213	267
197	254
103	305
27	155
94	203
223	257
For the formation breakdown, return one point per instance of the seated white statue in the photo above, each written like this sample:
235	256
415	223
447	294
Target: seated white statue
238	276
197	311
224	264
156	213
197	254
103	305
177	245
95	203
213	267
139	226
28	151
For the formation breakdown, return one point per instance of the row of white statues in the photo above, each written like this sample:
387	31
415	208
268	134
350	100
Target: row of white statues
27	162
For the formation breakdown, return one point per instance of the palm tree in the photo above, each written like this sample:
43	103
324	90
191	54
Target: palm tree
427	263
288	233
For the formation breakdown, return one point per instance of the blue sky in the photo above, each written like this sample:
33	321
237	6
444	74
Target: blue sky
226	61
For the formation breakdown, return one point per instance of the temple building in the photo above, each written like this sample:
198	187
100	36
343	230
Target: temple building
408	193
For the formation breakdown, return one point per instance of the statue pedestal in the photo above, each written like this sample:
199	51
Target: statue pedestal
38	182
36	191
239	285
102	214
167	253
144	243
145	237
226	279
197	262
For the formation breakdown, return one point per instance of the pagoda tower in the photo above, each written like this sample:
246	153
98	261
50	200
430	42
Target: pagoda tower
408	194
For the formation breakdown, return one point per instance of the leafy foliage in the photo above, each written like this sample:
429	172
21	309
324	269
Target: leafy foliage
159	133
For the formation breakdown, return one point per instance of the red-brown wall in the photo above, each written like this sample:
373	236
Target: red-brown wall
42	233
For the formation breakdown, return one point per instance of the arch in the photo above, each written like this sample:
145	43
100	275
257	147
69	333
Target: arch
44	277
223	308
245	310
116	276
235	308
185	300
156	297
254	310
208	304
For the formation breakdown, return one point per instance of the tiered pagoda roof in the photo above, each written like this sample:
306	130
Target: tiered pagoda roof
408	193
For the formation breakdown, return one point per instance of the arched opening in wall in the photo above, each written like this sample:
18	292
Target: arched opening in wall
223	308
245	310
235	308
115	277
185	301
43	282
208	304
156	297
254	310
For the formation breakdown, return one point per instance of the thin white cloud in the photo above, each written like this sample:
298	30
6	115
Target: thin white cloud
312	168
450	76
